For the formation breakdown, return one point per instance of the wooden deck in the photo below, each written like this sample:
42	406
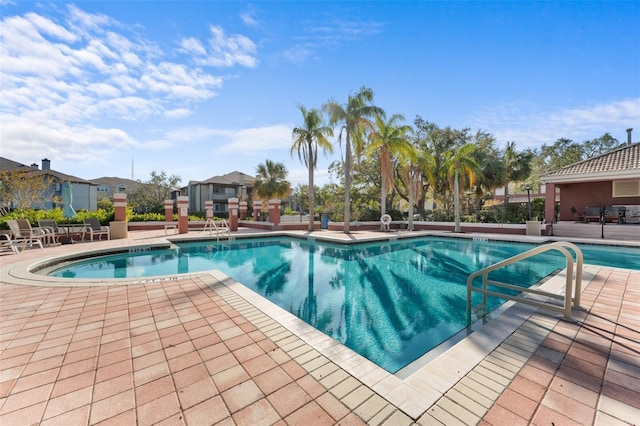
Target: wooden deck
612	231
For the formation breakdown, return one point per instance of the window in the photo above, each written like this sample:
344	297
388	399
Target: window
230	191
626	188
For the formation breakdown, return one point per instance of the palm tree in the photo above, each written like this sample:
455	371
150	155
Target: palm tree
353	119
390	138
461	162
306	140
517	167
492	176
273	183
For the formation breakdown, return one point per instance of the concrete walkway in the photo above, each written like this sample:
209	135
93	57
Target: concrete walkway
203	349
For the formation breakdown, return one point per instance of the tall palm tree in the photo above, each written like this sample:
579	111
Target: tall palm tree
461	162
517	167
354	122
274	180
390	138
306	140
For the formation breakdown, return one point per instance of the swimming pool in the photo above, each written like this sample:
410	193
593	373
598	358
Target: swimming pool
389	301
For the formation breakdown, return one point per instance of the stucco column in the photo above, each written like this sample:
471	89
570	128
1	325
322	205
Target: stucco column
168	210
274	211
233	214
120	206
183	214
243	210
550	203
257	209
208	206
119	224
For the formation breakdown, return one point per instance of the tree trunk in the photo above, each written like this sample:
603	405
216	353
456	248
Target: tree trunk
411	196
435	192
506	194
383	199
347	185
311	188
456	201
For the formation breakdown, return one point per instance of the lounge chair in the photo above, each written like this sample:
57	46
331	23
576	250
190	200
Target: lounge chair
54	230
23	238
578	217
27	231
93	228
6	241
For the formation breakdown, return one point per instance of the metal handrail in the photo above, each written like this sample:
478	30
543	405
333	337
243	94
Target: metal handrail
222	228
569	296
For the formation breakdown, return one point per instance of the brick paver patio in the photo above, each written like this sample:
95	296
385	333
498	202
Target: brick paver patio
194	351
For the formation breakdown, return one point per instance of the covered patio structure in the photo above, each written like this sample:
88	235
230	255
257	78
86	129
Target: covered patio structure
610	180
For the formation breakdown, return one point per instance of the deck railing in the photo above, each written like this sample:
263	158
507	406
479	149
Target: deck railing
572	289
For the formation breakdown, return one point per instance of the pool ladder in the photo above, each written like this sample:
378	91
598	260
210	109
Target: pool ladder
221	228
572	290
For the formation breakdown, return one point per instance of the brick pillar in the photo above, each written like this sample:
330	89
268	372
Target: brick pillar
168	210
274	211
183	215
208	206
120	206
243	210
233	214
257	209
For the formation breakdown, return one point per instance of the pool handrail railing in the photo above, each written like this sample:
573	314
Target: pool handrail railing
572	291
221	228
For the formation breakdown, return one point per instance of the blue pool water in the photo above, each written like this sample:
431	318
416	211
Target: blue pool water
391	302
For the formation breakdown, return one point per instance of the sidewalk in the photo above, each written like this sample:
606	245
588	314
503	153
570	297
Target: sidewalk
202	350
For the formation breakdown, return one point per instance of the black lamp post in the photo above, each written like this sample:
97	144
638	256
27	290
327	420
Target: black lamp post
529	200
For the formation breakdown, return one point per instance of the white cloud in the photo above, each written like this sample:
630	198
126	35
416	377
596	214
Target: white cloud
85	66
530	128
258	139
299	54
193	46
47	27
329	35
248	19
32	140
227	51
88	21
223	50
177	113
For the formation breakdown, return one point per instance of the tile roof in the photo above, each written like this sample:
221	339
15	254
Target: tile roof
7	164
234	178
620	163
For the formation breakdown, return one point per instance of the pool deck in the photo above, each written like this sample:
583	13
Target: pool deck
203	349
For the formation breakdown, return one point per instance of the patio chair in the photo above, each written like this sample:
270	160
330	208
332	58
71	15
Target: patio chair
54	230
24	239
578	217
27	231
6	241
93	228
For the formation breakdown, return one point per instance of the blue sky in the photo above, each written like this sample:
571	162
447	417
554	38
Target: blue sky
199	88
